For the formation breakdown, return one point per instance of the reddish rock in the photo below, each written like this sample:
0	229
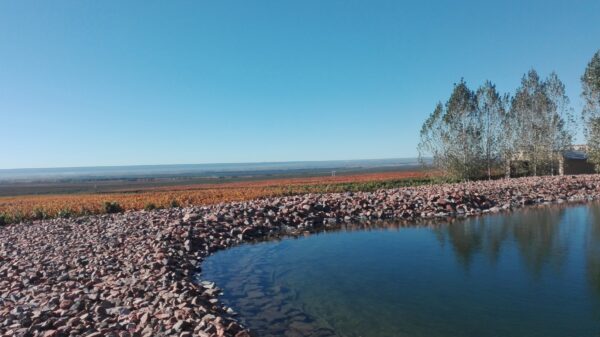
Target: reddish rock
130	274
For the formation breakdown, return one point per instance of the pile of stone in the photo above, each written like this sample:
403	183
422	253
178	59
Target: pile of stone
131	274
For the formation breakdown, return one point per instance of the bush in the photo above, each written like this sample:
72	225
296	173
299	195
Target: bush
112	207
64	213
149	206
39	214
17	217
3	219
175	203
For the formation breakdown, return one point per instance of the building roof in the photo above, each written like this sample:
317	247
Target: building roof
575	155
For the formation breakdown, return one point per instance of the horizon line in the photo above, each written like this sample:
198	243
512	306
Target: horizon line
205	163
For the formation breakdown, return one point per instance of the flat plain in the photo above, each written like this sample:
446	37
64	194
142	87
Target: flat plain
60	199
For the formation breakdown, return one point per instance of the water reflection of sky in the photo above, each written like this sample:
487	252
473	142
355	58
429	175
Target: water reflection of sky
532	272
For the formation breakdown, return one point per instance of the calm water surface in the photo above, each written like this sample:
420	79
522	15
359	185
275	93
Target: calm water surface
535	272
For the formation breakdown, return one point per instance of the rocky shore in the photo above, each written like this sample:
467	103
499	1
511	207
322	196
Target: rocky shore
131	274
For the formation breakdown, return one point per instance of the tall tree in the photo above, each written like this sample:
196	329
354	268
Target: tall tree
560	122
463	129
543	121
591	110
527	107
491	111
474	134
452	135
432	141
508	143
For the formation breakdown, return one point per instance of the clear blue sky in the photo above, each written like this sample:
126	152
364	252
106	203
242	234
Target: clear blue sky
164	82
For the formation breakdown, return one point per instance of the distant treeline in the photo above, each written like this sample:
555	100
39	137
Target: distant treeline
479	133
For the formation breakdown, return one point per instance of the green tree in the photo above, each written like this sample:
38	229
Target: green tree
560	121
543	121
452	135
432	139
491	112
527	108
508	143
591	110
463	133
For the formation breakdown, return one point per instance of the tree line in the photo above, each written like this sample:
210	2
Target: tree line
482	133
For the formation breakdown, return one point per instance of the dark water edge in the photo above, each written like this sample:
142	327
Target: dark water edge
533	272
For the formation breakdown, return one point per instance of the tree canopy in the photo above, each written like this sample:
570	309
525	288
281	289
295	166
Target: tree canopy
478	134
591	111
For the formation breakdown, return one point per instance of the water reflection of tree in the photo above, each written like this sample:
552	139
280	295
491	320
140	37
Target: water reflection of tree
466	239
535	232
475	235
497	230
469	237
537	235
592	249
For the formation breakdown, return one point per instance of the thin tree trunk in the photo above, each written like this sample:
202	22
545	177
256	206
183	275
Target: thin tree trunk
534	161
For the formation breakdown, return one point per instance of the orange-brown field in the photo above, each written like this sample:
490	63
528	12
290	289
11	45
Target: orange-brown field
17	208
